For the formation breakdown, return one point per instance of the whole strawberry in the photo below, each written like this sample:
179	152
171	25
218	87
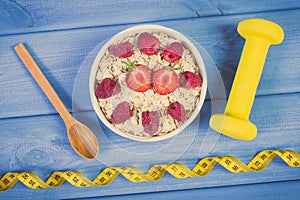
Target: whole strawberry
165	80
150	121
190	80
138	76
107	88
148	44
173	52
123	50
177	111
121	113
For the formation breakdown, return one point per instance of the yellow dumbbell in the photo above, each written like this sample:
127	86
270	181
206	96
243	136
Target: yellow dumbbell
259	35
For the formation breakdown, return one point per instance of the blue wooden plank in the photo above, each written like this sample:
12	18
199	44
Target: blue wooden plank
43	149
281	190
13	15
61	53
265	191
54	15
238	7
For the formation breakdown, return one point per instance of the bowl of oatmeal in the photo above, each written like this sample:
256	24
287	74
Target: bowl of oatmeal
148	83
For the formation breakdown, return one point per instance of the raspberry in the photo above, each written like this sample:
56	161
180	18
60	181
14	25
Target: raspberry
173	52
123	50
150	121
177	111
148	43
190	80
106	88
121	113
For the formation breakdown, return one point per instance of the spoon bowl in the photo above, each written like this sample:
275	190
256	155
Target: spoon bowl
83	140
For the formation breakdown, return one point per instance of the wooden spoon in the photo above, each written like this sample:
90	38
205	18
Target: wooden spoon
82	139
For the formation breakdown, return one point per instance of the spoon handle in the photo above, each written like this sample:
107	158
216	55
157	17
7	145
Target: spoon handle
44	83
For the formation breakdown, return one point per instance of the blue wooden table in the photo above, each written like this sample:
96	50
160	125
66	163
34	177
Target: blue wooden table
63	37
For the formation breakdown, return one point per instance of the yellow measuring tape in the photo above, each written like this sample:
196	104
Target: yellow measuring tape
156	172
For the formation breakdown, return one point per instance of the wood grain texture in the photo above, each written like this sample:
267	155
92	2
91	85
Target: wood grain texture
56	15
255	6
265	191
63	52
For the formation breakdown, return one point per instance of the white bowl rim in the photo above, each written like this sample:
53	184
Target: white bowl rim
134	30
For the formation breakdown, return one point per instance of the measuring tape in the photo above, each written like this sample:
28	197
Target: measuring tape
156	172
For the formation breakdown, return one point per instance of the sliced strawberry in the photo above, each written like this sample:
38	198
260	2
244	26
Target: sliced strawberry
121	113
173	52
138	76
123	50
150	121
139	79
107	88
177	111
148	43
165	81
190	80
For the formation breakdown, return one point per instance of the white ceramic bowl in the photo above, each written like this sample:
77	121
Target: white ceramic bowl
150	29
